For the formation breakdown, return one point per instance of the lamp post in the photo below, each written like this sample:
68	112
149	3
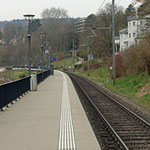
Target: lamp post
47	52
42	47
29	17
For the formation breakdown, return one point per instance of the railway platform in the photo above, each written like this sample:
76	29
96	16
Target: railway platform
51	118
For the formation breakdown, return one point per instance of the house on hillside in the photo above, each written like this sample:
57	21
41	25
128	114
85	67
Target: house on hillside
123	39
137	28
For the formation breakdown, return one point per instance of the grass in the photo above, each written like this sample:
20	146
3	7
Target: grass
60	63
130	85
13	75
145	100
99	75
126	86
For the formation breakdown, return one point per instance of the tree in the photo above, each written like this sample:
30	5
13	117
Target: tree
35	24
144	9
12	31
130	11
102	44
55	13
58	28
90	21
8	32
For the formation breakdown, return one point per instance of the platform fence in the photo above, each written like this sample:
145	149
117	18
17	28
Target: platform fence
13	90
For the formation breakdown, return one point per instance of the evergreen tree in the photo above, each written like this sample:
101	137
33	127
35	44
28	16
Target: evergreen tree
35	24
144	8
130	11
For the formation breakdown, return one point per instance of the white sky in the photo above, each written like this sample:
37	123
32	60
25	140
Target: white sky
15	9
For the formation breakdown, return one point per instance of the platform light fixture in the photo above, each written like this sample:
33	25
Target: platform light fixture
29	18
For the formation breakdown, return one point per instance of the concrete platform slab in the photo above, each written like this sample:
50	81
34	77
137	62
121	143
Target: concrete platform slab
33	123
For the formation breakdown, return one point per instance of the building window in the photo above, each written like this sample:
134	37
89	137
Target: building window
133	23
129	35
141	22
134	34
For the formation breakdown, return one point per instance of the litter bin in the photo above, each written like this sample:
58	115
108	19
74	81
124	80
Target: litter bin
33	82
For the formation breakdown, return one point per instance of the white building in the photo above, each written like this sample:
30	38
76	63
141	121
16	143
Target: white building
123	39
136	29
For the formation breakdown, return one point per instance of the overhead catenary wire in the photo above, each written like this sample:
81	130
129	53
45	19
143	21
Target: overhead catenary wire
100	7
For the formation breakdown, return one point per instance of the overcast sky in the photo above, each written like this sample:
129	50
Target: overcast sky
15	9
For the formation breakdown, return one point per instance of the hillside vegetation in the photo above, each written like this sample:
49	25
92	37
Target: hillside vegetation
135	87
12	75
60	63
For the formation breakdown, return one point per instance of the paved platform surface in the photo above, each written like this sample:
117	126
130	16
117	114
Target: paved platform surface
51	118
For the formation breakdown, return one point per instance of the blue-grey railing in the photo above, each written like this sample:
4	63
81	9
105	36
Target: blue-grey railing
11	91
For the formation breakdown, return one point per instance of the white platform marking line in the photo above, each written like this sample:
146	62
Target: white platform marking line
66	133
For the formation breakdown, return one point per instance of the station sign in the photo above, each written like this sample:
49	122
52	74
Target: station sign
53	59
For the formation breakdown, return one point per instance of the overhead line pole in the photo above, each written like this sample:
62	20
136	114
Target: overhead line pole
113	42
88	48
73	56
88	51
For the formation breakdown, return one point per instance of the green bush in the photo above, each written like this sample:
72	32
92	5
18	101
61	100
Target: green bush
82	54
23	75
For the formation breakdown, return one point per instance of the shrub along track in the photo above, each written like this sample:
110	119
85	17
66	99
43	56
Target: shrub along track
116	127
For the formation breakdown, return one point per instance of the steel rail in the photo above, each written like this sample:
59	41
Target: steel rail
101	115
119	104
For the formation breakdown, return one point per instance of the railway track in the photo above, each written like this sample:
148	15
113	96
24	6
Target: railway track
117	127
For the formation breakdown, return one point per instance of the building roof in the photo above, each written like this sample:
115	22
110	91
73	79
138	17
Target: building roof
123	31
147	16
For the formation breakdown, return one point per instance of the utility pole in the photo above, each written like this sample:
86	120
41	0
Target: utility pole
42	46
56	57
113	42
88	51
73	56
64	58
49	60
88	47
47	51
64	47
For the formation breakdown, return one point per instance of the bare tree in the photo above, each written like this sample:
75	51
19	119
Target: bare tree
55	13
102	44
13	31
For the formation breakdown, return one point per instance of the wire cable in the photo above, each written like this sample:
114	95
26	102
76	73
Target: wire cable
100	7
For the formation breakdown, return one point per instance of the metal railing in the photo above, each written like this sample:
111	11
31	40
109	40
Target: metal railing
13	90
42	76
